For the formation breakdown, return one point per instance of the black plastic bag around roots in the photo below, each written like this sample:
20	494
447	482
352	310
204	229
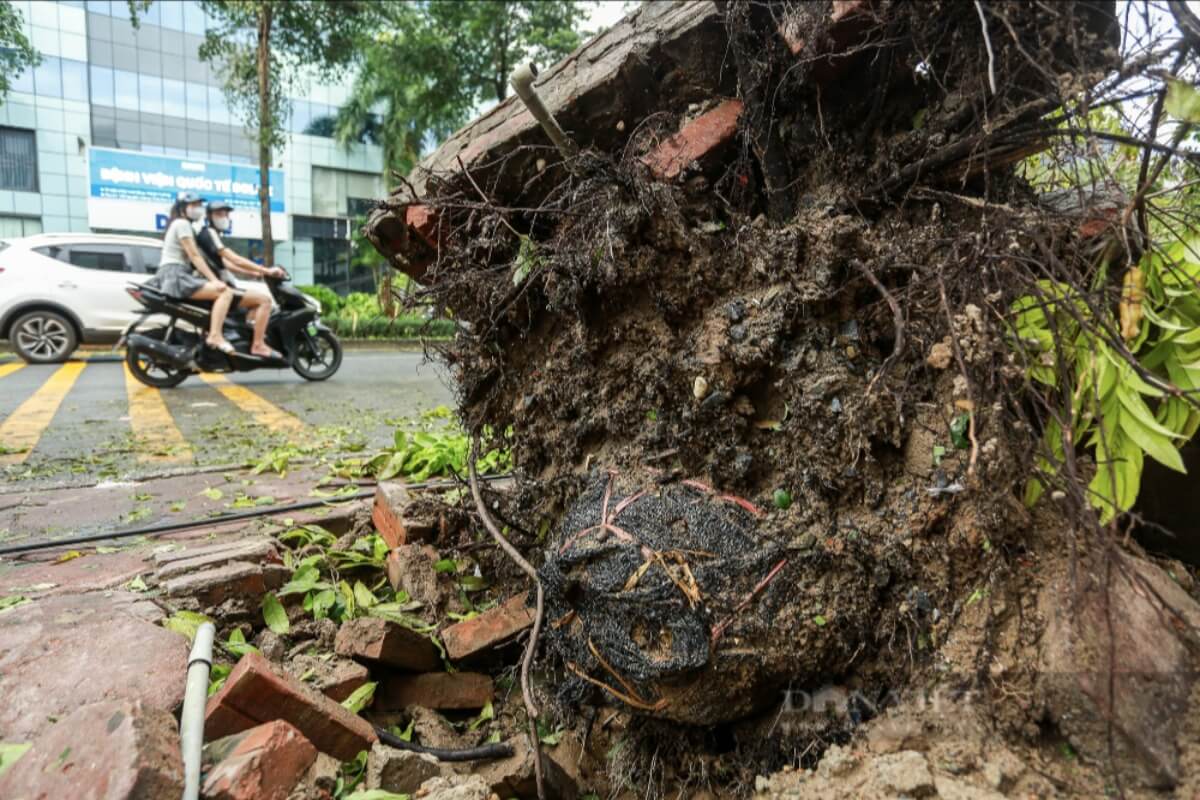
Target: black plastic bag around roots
662	597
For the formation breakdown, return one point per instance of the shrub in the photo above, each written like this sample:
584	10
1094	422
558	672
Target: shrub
330	302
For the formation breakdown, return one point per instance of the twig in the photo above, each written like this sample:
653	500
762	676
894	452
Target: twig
531	645
987	42
719	630
897	322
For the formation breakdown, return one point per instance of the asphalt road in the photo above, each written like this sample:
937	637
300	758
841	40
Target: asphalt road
88	420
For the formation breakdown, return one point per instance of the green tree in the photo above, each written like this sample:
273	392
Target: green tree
16	54
428	66
265	50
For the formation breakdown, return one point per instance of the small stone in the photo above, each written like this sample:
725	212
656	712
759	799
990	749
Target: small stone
714	400
735	310
700	387
851	351
456	787
905	772
955	789
270	645
400	771
737	332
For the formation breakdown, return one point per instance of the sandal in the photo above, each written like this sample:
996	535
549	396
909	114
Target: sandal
225	347
273	353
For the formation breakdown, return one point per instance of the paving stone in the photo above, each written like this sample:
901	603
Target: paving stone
385	642
253	551
440	690
214	586
263	763
111	750
493	627
60	653
255	693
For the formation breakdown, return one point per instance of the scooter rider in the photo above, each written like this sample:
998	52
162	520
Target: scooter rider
223	260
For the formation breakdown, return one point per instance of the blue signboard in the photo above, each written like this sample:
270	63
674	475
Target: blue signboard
125	175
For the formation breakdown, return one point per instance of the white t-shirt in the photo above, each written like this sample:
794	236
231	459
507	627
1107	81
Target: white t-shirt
172	250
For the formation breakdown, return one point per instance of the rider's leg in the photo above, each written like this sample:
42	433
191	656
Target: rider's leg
260	312
222	297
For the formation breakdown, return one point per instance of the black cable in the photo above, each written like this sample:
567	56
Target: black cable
170	527
482	753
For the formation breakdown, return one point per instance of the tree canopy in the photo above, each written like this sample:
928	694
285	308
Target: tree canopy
16	54
428	66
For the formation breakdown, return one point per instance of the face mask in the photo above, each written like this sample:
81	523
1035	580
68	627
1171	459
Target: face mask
221	223
194	213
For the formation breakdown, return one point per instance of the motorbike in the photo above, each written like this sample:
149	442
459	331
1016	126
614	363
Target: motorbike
163	356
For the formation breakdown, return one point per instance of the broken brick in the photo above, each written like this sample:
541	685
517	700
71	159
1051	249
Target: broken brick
388	514
336	678
387	643
254	693
442	690
491	628
695	140
215	586
117	750
263	763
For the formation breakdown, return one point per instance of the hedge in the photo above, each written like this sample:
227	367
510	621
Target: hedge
380	327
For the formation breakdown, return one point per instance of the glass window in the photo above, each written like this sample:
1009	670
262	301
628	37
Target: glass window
107	257
301	115
100	7
193	17
333	189
196	101
104	131
23	82
171	16
75	80
102	86
47	77
12	227
174	102
172	63
18	160
126	85
151	14
218	112
151	89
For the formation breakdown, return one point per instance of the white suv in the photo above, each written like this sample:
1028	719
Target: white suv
60	290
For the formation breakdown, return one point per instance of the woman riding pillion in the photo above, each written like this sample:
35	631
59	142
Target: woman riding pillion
184	273
221	258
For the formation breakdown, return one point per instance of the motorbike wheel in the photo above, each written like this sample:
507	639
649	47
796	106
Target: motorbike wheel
150	372
318	357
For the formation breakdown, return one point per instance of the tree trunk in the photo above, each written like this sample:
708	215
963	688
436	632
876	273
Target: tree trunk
265	125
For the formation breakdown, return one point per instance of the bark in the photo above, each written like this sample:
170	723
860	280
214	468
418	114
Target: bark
264	127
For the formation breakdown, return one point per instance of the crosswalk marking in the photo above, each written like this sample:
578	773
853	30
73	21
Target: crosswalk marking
8	369
158	438
265	413
24	426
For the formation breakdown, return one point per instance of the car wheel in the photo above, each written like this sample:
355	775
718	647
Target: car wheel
43	337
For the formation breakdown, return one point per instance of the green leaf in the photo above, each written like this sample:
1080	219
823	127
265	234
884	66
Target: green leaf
782	499
217	676
10	752
445	565
237	645
274	614
1183	101
1132	402
488	713
360	698
958	431
363	596
212	493
303	580
405	734
1158	447
13	601
819	621
939	452
185	622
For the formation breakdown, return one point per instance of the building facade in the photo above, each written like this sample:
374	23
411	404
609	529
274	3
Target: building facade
101	134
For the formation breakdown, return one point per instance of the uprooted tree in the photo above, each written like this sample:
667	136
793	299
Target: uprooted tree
836	354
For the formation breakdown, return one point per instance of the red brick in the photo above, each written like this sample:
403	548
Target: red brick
388	514
387	643
263	763
492	627
215	586
254	693
696	139
116	750
441	690
424	221
336	678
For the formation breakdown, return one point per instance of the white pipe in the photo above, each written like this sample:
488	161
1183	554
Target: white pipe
521	80
195	697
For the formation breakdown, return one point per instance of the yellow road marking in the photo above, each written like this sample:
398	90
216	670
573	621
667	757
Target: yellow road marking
23	428
158	438
9	369
265	413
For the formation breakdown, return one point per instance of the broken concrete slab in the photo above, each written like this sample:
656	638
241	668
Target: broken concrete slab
255	693
336	678
493	627
514	776
59	653
114	750
380	641
400	771
439	690
214	586
263	763
174	563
